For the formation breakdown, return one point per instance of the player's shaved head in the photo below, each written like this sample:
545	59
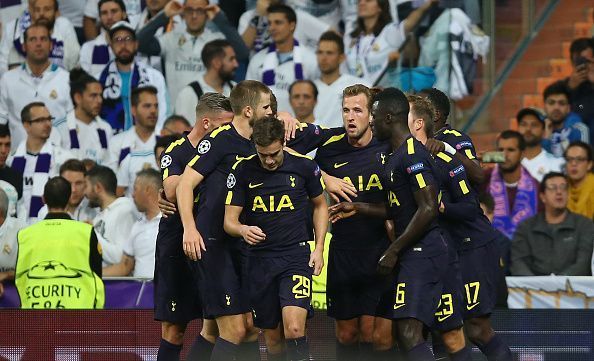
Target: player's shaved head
247	93
268	130
210	103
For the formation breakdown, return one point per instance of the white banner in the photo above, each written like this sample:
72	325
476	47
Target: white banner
550	292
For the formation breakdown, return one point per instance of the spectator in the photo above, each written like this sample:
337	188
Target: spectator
138	259
124	74
581	81
9	227
175	125
73	170
182	49
73	11
376	39
114	223
36	158
255	29
513	189
96	53
578	157
92	13
82	130
303	96
331	83
328	11
555	241
59	254
219	58
63	44
11	181
285	60
37	80
531	124
559	129
133	149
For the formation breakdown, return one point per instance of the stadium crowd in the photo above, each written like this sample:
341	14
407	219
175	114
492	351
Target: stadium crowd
100	91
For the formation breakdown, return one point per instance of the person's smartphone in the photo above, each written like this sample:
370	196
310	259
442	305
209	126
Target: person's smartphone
493	157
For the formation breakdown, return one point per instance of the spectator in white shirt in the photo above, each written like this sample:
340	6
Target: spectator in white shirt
331	83
303	95
36	80
134	148
64	44
114	223
96	53
82	130
73	170
36	157
139	251
132	8
285	61
9	227
538	162
219	58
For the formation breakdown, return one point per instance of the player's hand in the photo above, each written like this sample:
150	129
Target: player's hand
387	262
193	244
578	76
316	261
212	10
434	146
291	124
252	234
167	208
341	210
339	189
173	8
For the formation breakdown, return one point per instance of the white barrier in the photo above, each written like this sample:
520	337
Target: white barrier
551	292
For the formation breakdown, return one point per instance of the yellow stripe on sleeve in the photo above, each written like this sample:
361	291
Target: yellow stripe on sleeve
421	180
444	156
439	197
229	198
463	186
180	141
193	161
410	146
323	184
469	154
165	173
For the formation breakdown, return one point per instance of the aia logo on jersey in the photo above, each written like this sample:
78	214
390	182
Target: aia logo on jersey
464	144
456	171
415	168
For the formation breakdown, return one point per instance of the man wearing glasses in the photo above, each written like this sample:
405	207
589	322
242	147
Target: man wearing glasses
36	158
35	80
182	48
555	241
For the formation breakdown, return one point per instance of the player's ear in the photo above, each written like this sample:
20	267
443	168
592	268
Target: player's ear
248	112
205	123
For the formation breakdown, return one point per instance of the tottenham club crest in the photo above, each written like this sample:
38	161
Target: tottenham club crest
204	146
165	161
230	181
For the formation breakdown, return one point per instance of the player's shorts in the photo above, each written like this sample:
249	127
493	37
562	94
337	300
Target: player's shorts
277	282
220	274
449	312
416	291
177	299
480	273
353	287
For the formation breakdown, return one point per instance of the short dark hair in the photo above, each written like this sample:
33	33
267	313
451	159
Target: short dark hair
511	134
394	101
153	177
283	9
56	4
104	176
79	79
73	165
305	81
385	18
579	45
119	2
135	96
163	142
247	93
26	111
487	199
56	192
558	87
213	103
543	183
176	118
335	38
36	25
4	130
439	100
585	146
212	50
268	130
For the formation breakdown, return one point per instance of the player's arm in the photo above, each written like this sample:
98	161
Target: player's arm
320	223
251	234
338	188
473	167
124	268
417	15
192	240
425	198
344	210
462	204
